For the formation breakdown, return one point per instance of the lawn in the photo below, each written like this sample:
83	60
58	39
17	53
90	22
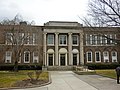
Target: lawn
108	73
8	79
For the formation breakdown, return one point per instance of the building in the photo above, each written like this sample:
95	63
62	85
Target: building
61	44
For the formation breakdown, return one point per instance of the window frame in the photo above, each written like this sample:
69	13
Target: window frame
63	40
28	57
87	56
76	40
99	56
51	44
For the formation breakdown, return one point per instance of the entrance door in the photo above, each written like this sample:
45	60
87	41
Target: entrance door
62	59
50	59
74	59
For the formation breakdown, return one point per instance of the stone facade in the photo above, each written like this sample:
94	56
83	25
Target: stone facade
62	44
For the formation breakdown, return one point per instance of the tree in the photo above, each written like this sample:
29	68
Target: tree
17	36
104	13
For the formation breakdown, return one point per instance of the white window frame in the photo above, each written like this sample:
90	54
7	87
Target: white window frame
8	57
35	58
63	43
106	58
48	58
77	40
99	56
51	44
114	57
29	57
20	58
87	56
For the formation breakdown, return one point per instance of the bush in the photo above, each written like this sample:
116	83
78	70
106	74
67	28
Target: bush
94	66
21	67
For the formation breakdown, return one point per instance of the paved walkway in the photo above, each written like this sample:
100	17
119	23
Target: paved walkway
67	80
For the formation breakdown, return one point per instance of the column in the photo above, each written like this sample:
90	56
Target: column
56	48
44	49
81	49
70	49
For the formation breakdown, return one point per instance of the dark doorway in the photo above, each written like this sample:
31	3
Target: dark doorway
62	59
74	59
50	59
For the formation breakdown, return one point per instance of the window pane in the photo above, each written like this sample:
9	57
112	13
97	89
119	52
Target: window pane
50	39
97	56
74	40
63	39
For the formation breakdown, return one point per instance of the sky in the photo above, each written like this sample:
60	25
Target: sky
42	11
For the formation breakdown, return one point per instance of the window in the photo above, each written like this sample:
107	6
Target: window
89	56
97	56
114	56
75	40
34	38
50	40
9	38
88	39
26	57
106	56
93	40
35	57
8	57
63	40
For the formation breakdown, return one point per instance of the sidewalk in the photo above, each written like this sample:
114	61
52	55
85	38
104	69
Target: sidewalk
99	82
64	80
67	80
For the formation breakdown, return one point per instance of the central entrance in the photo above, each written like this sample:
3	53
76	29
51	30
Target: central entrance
62	59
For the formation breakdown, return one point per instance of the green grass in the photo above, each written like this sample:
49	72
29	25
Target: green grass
8	79
108	73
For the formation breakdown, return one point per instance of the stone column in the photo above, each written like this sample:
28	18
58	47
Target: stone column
44	49
70	49
56	48
81	49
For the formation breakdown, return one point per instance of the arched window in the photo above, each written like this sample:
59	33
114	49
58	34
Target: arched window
89	56
97	56
26	57
114	56
8	57
106	56
35	57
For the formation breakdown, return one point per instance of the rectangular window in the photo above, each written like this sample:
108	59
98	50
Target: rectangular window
9	38
114	56
75	40
93	40
62	40
106	56
88	39
50	39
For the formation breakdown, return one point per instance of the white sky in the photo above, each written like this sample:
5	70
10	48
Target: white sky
42	11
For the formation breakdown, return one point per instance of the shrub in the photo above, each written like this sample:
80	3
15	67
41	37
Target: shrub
94	66
21	67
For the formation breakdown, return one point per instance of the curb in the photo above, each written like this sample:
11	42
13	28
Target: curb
34	86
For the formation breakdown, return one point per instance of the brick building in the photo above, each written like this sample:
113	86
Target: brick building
60	44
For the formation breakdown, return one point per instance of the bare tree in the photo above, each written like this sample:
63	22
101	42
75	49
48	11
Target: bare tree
105	12
16	37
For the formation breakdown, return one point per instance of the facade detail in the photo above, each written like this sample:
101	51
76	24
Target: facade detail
60	44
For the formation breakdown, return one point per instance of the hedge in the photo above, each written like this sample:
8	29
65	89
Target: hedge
94	66
21	67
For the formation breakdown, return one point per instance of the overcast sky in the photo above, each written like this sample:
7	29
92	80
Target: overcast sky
42	11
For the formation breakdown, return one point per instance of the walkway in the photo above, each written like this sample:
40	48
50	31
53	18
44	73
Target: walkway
67	80
64	80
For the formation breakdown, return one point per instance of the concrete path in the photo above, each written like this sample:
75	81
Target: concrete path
101	83
64	80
